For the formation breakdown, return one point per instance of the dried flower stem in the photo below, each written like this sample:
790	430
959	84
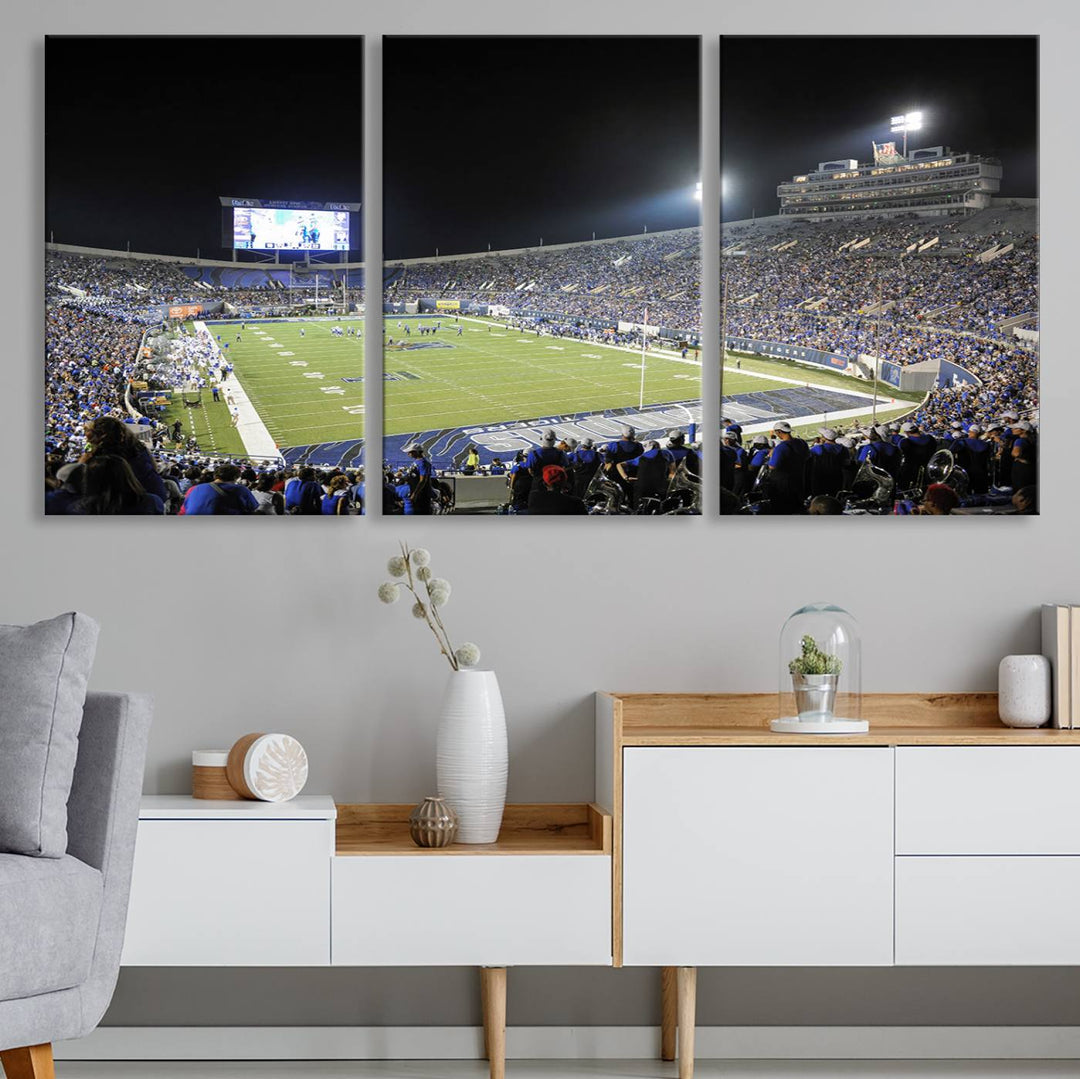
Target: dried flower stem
436	626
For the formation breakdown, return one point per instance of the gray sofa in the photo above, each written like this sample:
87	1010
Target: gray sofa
62	919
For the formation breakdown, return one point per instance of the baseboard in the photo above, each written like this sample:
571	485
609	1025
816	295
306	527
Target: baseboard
584	1043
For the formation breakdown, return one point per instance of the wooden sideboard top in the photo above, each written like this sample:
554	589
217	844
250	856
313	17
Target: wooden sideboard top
714	719
554	828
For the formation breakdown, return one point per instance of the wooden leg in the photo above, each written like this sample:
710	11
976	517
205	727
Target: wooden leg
493	993
669	997
484	1011
687	979
32	1062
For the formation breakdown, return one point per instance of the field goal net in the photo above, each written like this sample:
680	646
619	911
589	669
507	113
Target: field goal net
192	397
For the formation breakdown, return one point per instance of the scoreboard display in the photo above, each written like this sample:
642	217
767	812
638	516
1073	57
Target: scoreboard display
262	225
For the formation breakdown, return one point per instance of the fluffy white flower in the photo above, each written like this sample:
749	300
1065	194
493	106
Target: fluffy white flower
420	557
468	655
424	573
396	566
418	610
389	592
438	591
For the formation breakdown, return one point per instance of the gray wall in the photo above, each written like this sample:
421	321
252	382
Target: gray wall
257	626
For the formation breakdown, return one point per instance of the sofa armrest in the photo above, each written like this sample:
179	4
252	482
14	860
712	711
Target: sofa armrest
103	815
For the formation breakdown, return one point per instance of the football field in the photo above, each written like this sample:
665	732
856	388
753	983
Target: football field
490	374
305	382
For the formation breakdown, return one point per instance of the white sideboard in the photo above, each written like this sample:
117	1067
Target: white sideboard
940	838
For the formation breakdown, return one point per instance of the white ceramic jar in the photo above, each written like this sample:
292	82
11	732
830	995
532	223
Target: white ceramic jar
1024	698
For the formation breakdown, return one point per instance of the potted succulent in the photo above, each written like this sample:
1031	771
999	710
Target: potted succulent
815	675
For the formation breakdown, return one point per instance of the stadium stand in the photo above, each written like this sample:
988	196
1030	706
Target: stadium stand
959	296
604	280
99	309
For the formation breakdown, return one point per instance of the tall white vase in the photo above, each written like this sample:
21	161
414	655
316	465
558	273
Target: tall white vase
470	754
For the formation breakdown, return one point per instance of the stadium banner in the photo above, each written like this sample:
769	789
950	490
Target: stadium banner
952	374
164	311
890	373
447	305
778	350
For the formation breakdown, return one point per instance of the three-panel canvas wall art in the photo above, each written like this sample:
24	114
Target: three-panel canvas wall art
539	306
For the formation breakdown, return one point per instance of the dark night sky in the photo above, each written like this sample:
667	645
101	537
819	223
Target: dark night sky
143	134
789	103
504	140
487	140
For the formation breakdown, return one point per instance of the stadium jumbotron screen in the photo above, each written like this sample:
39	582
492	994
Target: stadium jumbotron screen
263	228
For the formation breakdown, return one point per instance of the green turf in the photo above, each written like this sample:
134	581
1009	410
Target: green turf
884	413
492	374
294	408
819	376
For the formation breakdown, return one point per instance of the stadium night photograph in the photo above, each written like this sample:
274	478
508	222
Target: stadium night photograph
542	349
880	276
204	345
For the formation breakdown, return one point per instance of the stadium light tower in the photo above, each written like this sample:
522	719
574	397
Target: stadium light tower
908	121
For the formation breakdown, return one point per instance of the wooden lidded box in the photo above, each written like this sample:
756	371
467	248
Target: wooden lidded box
208	776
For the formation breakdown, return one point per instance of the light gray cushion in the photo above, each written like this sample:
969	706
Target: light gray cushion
44	669
49	911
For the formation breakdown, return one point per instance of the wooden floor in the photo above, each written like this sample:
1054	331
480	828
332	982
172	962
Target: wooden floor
572	1069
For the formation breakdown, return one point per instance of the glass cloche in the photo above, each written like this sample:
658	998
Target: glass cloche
820	673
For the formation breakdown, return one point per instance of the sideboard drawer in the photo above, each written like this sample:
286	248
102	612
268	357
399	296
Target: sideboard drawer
243	893
466	909
988	800
981	911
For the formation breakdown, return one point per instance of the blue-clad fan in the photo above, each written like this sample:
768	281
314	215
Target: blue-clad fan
787	465
916	449
648	474
881	453
545	454
974	454
419	482
825	465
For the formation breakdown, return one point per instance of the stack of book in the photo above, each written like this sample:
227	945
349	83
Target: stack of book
1061	645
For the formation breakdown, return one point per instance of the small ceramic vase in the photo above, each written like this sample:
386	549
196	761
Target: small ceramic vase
432	823
1024	691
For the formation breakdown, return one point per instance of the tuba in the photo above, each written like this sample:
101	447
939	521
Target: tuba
942	468
872	485
684	492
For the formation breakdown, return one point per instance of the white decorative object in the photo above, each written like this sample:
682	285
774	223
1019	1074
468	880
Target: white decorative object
470	754
275	767
1024	691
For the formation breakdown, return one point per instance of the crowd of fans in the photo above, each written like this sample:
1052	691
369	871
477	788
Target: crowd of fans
115	284
888	299
118	473
564	476
890	466
612	280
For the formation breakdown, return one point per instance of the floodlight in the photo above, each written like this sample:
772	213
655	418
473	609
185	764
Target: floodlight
909	121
